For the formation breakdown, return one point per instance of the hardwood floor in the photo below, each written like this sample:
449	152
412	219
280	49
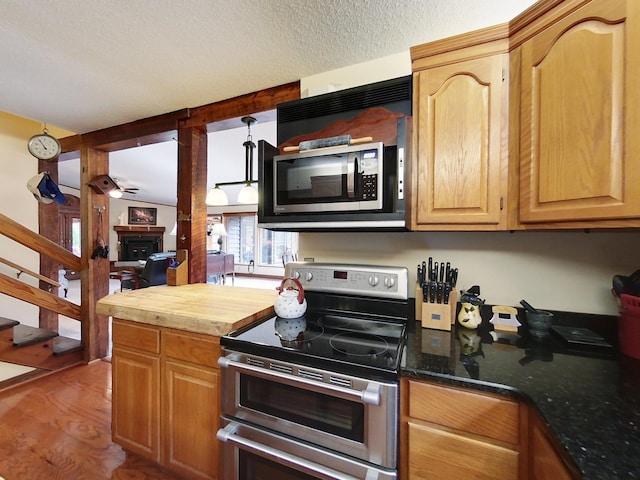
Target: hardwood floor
59	427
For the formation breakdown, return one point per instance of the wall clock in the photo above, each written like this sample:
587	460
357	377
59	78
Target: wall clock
44	147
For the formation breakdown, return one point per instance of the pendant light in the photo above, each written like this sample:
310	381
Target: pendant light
216	196
248	194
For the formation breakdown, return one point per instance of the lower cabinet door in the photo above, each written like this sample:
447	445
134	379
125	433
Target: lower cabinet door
190	420
544	461
136	402
436	454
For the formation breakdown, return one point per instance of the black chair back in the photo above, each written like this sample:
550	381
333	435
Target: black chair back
155	270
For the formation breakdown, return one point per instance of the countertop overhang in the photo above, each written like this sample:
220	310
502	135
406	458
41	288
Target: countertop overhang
200	308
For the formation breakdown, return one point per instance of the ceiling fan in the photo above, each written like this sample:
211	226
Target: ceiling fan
122	190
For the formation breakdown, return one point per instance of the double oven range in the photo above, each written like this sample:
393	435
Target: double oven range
317	397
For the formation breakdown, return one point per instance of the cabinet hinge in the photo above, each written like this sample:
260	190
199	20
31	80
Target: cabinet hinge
501	203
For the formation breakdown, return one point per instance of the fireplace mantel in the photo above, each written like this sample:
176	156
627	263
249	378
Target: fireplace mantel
139	229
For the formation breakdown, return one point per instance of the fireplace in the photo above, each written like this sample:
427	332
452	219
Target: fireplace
138	248
138	242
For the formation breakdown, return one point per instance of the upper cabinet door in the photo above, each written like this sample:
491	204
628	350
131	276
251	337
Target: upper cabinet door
579	127
457	173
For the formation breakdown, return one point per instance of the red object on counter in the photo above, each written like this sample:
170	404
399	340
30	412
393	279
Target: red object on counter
629	325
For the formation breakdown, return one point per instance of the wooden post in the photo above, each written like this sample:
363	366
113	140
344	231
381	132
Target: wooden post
191	208
48	217
94	279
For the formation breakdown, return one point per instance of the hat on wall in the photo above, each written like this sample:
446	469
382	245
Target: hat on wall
45	190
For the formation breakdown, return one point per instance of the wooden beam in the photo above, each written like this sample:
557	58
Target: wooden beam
160	128
235	108
163	128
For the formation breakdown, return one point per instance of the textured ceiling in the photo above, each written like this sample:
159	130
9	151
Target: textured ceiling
84	65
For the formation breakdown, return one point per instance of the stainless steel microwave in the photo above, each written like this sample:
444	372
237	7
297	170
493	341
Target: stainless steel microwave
343	188
334	179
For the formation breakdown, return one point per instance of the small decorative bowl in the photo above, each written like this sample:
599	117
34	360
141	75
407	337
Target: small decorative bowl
539	323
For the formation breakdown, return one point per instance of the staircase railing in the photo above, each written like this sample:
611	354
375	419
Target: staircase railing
22	270
42	245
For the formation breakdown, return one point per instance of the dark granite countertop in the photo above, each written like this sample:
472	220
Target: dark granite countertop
589	399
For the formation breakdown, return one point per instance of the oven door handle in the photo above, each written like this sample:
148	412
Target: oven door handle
228	434
371	394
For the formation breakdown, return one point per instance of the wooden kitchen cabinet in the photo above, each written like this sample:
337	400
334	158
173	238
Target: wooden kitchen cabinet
530	124
579	139
135	364
449	433
459	171
544	461
166	398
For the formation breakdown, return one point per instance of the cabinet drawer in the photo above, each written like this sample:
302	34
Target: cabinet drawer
471	412
437	454
136	336
191	347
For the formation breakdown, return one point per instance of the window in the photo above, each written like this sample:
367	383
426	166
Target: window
244	239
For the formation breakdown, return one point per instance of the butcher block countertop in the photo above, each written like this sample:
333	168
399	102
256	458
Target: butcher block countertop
200	308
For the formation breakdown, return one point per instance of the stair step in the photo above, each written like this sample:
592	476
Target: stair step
24	335
62	345
7	323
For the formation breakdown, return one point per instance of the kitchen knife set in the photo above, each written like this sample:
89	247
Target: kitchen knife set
437	280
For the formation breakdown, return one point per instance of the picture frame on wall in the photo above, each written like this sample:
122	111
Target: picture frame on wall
143	216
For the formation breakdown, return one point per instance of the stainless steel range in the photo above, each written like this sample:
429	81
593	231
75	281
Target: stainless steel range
317	397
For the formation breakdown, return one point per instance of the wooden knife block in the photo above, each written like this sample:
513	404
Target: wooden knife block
439	316
180	274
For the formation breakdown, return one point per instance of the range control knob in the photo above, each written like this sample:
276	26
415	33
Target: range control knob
389	282
373	280
295	274
308	276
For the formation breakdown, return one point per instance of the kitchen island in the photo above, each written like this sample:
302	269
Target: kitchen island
166	344
589	402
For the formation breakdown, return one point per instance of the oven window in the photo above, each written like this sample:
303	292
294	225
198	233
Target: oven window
252	467
344	418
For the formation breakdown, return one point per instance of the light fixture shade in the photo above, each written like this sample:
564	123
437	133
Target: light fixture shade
117	193
219	230
248	195
216	197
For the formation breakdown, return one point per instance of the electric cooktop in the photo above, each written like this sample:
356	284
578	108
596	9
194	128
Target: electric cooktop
352	324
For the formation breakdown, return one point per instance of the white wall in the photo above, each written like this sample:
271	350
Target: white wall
567	271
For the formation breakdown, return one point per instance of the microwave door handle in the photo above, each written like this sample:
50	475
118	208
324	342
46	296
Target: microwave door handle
352	171
228	434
